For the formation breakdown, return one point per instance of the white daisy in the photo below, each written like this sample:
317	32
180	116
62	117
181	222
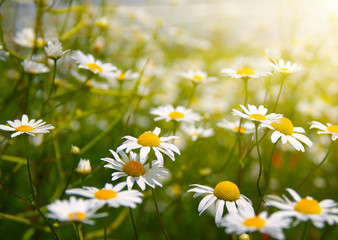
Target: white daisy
135	170
33	67
256	115
179	114
24	126
285	68
246	127
242	73
150	140
245	221
225	193
111	195
75	210
26	38
96	66
54	49
197	76
121	76
197	132
329	129
285	130
84	167
305	209
273	54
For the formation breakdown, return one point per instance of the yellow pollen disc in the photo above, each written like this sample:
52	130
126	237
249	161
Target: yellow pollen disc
227	191
246	71
149	139
176	115
105	194
242	130
257	116
284	126
76	216
122	76
256	222
308	206
197	77
24	128
40	43
333	128
134	169
94	67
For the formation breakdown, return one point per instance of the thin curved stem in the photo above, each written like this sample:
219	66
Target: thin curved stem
306	224
51	89
83	231
268	175
159	216
133	222
326	231
316	167
70	177
260	160
29	169
192	94
279	93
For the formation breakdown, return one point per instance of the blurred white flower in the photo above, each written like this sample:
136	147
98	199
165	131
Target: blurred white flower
179	114
285	68
242	73
246	127
33	67
26	38
54	50
84	167
197	76
197	132
329	129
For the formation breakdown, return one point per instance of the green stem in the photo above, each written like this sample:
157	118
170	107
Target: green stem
51	89
133	222
83	232
227	161
279	93
46	220
192	94
28	169
325	232
66	18
306	225
260	160
268	175
68	181
316	167
159	216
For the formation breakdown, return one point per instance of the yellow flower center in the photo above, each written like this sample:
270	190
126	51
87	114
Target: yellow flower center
134	169
257	116
76	216
227	191
284	126
256	222
149	139
40	42
197	77
94	67
308	206
242	130
176	115
245	71
122	76
24	128
333	128
105	194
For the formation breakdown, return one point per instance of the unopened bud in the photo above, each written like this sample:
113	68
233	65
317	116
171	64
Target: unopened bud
84	167
75	150
244	236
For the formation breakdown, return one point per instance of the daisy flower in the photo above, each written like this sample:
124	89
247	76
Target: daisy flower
121	76
179	114
285	68
33	67
329	129
256	115
54	50
305	209
245	221
24	126
135	170
197	132
285	130
26	38
242	73
225	193
110	195
96	66
150	140
197	76
75	210
84	167
246	128
273	54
